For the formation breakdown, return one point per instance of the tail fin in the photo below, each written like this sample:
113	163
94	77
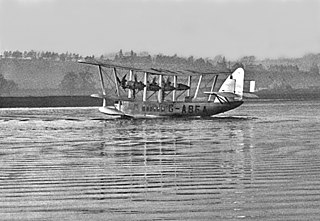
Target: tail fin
234	83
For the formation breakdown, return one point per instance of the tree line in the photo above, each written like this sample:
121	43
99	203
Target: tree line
46	55
305	63
120	57
268	69
168	61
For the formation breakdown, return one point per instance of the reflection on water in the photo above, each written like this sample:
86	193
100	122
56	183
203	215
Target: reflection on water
70	164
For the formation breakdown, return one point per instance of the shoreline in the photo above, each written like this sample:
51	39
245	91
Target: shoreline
49	101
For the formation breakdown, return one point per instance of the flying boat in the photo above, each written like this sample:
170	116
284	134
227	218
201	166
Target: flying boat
155	92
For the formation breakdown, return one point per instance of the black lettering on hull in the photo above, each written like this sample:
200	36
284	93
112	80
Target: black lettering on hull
193	109
204	109
197	109
184	111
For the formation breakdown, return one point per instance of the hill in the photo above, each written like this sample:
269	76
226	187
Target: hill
42	74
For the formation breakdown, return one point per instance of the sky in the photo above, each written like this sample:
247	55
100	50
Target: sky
199	28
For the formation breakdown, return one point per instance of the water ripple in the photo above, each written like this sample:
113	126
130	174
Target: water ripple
71	164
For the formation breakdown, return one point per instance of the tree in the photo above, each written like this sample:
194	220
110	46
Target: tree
132	54
7	86
11	86
70	83
248	59
63	57
190	60
7	54
120	54
17	54
73	83
86	81
200	62
314	70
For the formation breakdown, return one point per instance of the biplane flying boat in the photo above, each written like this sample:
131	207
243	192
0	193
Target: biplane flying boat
154	92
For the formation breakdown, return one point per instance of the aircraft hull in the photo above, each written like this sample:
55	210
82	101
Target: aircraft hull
174	109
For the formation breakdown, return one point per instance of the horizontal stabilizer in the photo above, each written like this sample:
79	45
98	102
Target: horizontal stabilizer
110	97
223	94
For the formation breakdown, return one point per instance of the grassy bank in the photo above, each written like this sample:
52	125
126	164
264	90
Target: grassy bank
49	101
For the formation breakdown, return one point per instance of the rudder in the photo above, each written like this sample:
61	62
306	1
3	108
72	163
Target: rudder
234	83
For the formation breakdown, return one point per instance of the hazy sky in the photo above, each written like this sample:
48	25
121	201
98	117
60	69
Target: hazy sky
202	28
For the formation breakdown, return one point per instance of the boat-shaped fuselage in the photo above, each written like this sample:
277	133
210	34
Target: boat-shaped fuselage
169	109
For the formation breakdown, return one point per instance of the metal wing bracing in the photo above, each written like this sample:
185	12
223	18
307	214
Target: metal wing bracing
164	81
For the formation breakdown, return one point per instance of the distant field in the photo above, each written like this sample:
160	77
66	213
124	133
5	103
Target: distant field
290	95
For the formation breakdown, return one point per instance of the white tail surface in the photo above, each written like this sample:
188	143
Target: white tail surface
234	83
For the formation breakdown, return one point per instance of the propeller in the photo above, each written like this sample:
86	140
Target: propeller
153	86
182	87
168	81
118	80
154	80
123	82
168	86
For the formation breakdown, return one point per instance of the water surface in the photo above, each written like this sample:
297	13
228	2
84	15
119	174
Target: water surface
257	162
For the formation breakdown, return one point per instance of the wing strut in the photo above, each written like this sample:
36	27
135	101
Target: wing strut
145	81
212	87
102	86
198	87
160	95
130	92
175	86
102	82
115	80
189	85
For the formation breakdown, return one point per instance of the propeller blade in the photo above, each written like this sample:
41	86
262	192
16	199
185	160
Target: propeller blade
118	80
154	80
135	78
124	79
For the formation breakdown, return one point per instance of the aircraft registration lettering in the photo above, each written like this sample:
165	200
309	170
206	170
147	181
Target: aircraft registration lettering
193	109
155	108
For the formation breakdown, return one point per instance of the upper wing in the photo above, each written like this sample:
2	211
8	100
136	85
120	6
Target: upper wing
109	65
156	71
